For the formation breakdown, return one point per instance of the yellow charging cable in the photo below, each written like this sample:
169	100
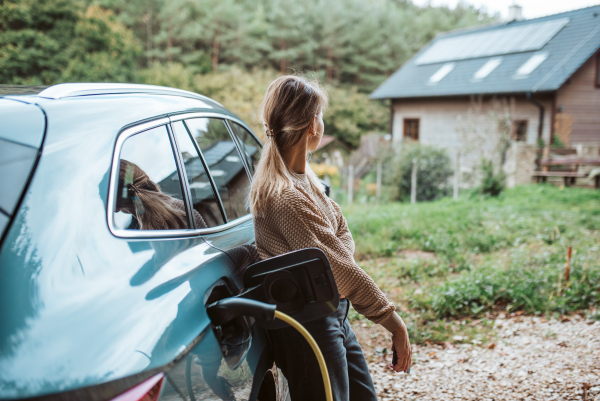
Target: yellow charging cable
313	344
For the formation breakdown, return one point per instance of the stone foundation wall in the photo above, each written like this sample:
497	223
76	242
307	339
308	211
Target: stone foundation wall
519	163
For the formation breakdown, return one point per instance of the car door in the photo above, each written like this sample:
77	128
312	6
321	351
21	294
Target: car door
153	212
215	182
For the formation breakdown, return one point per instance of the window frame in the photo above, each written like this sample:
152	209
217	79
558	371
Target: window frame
131	130
114	179
515	124
226	118
405	123
240	144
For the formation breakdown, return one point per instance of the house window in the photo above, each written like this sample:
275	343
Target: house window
520	130
531	64
441	73
411	128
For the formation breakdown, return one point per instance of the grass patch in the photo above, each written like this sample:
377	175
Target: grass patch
503	253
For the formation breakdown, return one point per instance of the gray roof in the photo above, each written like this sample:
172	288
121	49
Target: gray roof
565	51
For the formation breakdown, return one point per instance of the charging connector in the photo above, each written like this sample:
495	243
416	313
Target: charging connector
225	310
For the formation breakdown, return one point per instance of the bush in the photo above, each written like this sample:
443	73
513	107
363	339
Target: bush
492	183
532	283
432	175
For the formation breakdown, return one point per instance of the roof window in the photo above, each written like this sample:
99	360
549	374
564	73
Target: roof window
441	73
487	68
530	65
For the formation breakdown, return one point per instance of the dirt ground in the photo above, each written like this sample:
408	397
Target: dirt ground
530	359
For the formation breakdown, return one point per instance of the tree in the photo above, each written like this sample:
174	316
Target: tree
33	39
101	50
51	41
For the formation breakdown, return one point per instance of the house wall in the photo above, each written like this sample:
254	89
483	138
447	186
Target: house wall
580	101
441	120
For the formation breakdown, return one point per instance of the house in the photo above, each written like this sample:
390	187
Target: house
331	152
542	75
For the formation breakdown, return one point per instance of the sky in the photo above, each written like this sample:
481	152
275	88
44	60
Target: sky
531	8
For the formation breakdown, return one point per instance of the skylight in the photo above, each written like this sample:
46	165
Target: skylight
531	64
441	73
487	68
495	42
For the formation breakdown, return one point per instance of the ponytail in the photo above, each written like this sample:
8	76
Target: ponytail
287	112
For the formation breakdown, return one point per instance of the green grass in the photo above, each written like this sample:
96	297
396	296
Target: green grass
485	255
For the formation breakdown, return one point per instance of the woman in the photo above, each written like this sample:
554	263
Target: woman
291	212
151	208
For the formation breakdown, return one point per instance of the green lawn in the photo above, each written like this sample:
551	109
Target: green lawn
450	265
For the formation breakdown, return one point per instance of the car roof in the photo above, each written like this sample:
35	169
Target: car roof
55	98
80	89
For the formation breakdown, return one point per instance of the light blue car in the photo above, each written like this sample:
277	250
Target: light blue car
122	215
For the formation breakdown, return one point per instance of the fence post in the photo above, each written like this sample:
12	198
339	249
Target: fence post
413	182
456	175
378	183
350	183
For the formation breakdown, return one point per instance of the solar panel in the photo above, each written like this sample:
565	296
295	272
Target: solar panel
496	42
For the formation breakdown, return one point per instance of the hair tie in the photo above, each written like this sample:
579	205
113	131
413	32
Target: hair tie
269	131
133	188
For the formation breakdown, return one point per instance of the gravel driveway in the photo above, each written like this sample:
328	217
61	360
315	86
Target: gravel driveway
531	359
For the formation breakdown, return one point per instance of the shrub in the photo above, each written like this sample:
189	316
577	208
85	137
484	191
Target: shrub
557	142
492	183
432	175
532	283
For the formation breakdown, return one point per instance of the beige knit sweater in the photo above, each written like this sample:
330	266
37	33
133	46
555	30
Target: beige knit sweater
300	218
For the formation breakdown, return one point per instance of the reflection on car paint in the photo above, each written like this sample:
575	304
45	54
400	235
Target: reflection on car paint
90	307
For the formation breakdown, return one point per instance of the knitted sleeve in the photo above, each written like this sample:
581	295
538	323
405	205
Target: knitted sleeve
343	232
302	226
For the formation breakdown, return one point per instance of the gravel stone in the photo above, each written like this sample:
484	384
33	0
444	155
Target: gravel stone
532	359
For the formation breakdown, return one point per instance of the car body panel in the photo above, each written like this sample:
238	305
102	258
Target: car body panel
21	123
80	306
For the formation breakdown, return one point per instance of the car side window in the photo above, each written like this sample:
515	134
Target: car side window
224	163
149	195
207	212
251	146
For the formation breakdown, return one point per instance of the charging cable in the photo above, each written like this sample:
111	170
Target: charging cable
313	344
227	309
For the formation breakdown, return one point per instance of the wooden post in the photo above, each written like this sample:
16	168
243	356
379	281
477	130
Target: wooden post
456	175
378	183
545	155
350	183
413	182
568	267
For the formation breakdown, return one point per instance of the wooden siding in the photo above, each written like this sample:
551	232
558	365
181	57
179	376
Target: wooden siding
580	99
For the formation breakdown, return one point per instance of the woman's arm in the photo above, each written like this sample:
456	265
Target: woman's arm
343	232
302	226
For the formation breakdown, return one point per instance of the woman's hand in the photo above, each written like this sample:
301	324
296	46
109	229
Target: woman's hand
401	344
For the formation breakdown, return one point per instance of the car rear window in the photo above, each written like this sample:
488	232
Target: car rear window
207	212
149	195
224	163
251	146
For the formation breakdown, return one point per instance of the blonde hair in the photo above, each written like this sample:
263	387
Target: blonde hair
142	197
287	113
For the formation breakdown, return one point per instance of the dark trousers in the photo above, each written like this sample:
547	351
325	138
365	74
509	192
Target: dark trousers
346	364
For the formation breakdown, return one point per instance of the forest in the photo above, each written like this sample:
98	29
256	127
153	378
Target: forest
227	49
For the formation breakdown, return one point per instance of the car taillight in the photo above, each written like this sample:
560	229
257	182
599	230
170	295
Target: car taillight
148	390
